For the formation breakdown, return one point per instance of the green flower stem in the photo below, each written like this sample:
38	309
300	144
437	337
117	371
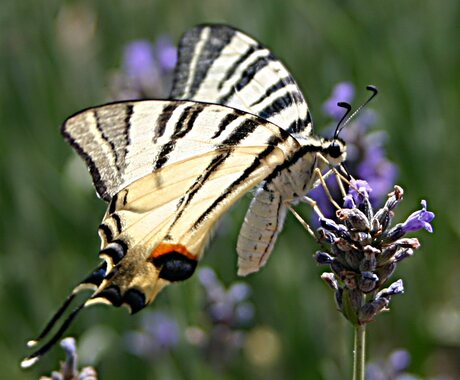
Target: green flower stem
359	352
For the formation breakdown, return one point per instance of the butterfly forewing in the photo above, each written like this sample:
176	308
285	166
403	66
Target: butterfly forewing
219	64
122	142
175	175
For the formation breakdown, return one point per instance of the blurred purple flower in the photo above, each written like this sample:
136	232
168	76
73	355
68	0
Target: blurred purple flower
378	171
138	59
226	313
159	333
399	360
222	304
146	70
342	92
166	53
394	368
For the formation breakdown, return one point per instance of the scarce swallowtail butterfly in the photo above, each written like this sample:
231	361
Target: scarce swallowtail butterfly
169	169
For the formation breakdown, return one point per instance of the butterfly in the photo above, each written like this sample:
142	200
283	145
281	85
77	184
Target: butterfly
169	169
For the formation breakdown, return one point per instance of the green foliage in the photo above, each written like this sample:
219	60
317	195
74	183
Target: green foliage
57	57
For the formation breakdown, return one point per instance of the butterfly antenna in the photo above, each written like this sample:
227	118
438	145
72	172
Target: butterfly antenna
370	88
32	359
347	107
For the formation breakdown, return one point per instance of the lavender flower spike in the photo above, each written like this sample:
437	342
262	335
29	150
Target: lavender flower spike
419	219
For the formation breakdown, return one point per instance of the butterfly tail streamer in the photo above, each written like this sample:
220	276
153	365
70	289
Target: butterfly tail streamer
92	282
35	357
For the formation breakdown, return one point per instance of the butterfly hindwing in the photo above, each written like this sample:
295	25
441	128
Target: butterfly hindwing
219	64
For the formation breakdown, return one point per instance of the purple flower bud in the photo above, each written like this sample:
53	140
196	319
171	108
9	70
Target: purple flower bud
368	282
368	312
342	92
162	328
395	233
338	229
385	271
419	219
381	220
348	201
69	369
396	287
325	236
329	278
323	258
403	254
354	218
207	277
369	262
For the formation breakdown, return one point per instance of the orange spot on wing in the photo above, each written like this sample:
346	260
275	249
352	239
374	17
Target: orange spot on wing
165	248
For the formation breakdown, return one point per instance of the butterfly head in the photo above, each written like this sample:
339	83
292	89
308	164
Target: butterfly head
335	151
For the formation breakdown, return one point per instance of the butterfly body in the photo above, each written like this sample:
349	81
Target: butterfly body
169	169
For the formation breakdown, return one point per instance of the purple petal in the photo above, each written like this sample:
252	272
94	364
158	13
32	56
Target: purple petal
348	201
419	219
359	190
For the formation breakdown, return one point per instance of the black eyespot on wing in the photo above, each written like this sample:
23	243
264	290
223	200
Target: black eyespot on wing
174	266
135	299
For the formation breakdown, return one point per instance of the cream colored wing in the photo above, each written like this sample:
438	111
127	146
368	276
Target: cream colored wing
157	229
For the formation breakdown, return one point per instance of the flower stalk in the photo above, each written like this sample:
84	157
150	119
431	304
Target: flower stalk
359	352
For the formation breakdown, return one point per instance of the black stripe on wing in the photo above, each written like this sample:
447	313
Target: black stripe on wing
183	126
197	79
257	162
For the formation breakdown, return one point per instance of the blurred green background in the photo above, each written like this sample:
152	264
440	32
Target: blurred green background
56	58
